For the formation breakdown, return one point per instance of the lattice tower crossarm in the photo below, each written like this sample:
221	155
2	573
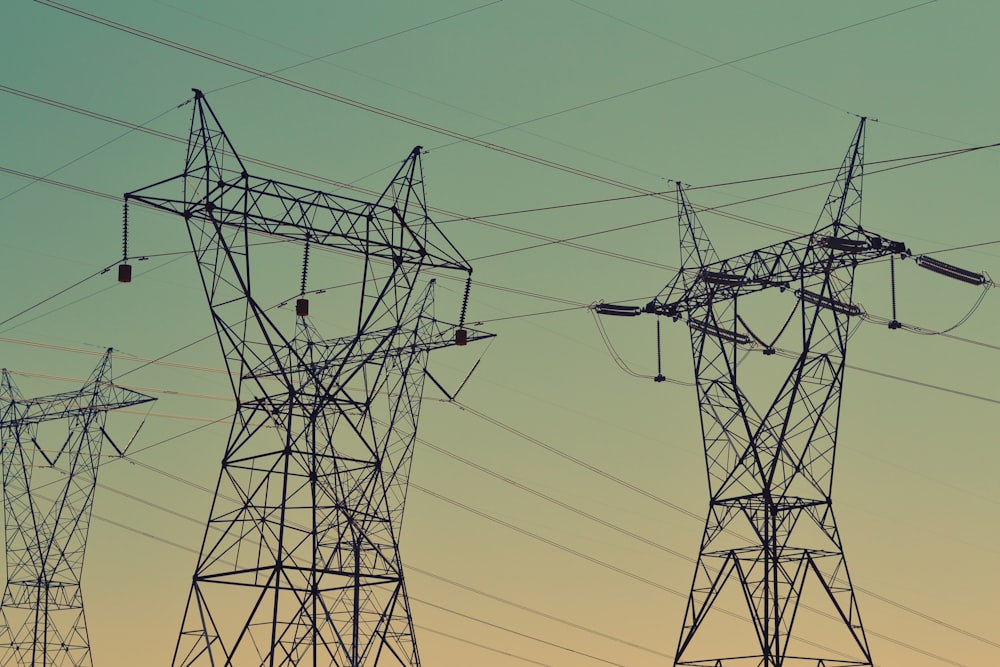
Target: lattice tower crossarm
300	562
771	542
48	490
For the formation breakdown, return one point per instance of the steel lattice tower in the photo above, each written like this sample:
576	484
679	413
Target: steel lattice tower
48	494
770	538
300	563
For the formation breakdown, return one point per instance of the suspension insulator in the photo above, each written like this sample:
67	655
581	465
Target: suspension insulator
826	302
124	273
721	278
845	245
719	332
950	270
461	337
616	310
302	307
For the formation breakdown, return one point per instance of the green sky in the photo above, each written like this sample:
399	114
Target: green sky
584	92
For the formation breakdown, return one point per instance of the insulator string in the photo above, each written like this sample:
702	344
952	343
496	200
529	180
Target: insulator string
125	230
305	267
659	355
892	284
465	301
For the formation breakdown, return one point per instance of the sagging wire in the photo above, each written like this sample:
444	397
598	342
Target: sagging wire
620	361
617	358
930	332
942	268
769	347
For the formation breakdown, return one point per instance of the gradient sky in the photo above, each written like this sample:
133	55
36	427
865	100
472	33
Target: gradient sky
641	92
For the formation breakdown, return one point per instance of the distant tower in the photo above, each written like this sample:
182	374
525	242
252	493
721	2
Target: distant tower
771	544
300	563
48	493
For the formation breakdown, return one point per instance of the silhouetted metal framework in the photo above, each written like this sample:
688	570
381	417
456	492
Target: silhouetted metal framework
300	563
48	494
771	541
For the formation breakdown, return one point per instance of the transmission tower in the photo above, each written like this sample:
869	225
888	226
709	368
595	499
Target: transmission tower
300	562
48	494
771	543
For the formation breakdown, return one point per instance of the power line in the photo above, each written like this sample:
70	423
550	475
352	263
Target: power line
477	644
57	294
577	461
692	73
708	56
510	290
92	150
525	315
911	160
337	52
277	167
516	632
221	60
572	306
163	41
536	612
553	501
484	219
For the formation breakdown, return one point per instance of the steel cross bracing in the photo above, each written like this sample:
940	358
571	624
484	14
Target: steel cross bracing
771	543
300	562
48	494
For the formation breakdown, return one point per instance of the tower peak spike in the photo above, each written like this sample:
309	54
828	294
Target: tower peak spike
841	214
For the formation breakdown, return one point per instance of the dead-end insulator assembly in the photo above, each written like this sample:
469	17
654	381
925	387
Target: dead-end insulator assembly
950	270
618	310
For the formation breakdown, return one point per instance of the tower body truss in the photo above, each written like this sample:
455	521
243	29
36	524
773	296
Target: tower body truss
300	563
771	543
48	487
